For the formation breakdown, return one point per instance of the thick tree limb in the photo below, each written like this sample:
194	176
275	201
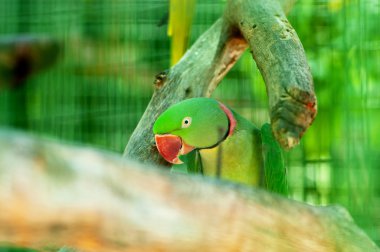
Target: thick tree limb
281	59
53	195
278	53
197	74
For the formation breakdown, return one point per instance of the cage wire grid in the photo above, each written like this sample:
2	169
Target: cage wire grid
111	51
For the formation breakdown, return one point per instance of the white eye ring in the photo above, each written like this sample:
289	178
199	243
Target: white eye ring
186	122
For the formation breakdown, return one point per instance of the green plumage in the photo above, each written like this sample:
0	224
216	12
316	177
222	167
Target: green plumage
208	120
275	172
239	156
249	155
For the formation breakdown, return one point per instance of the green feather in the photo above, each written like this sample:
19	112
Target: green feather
275	172
207	120
249	156
193	162
238	157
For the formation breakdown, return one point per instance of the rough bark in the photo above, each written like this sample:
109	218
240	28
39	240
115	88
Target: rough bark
279	55
54	195
262	26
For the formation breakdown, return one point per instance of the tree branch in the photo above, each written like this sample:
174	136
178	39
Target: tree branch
290	89
279	55
196	74
54	195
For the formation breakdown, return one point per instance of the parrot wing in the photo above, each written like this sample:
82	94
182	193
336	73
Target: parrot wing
274	168
193	162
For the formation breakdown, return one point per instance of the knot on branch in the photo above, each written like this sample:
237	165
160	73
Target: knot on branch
292	115
160	79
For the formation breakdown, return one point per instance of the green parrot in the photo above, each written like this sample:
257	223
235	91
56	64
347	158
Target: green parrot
205	133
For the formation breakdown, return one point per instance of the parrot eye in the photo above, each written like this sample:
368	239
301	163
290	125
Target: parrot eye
186	122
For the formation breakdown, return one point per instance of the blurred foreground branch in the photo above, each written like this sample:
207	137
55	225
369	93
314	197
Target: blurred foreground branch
54	195
262	26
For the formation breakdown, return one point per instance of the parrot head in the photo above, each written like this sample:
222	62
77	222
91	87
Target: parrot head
195	123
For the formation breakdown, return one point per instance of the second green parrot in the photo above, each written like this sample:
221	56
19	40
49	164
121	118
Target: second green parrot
229	146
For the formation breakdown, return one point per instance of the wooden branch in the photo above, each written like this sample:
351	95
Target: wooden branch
287	75
196	74
279	55
54	195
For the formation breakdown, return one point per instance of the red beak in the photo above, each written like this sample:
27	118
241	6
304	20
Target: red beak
171	146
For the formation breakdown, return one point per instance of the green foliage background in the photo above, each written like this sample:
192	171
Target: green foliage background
100	86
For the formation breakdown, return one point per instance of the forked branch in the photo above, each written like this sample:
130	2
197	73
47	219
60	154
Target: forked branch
262	26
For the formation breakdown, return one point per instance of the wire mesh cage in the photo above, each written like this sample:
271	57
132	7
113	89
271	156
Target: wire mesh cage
110	51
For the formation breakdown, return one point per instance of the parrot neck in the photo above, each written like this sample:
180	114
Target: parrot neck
231	119
231	125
